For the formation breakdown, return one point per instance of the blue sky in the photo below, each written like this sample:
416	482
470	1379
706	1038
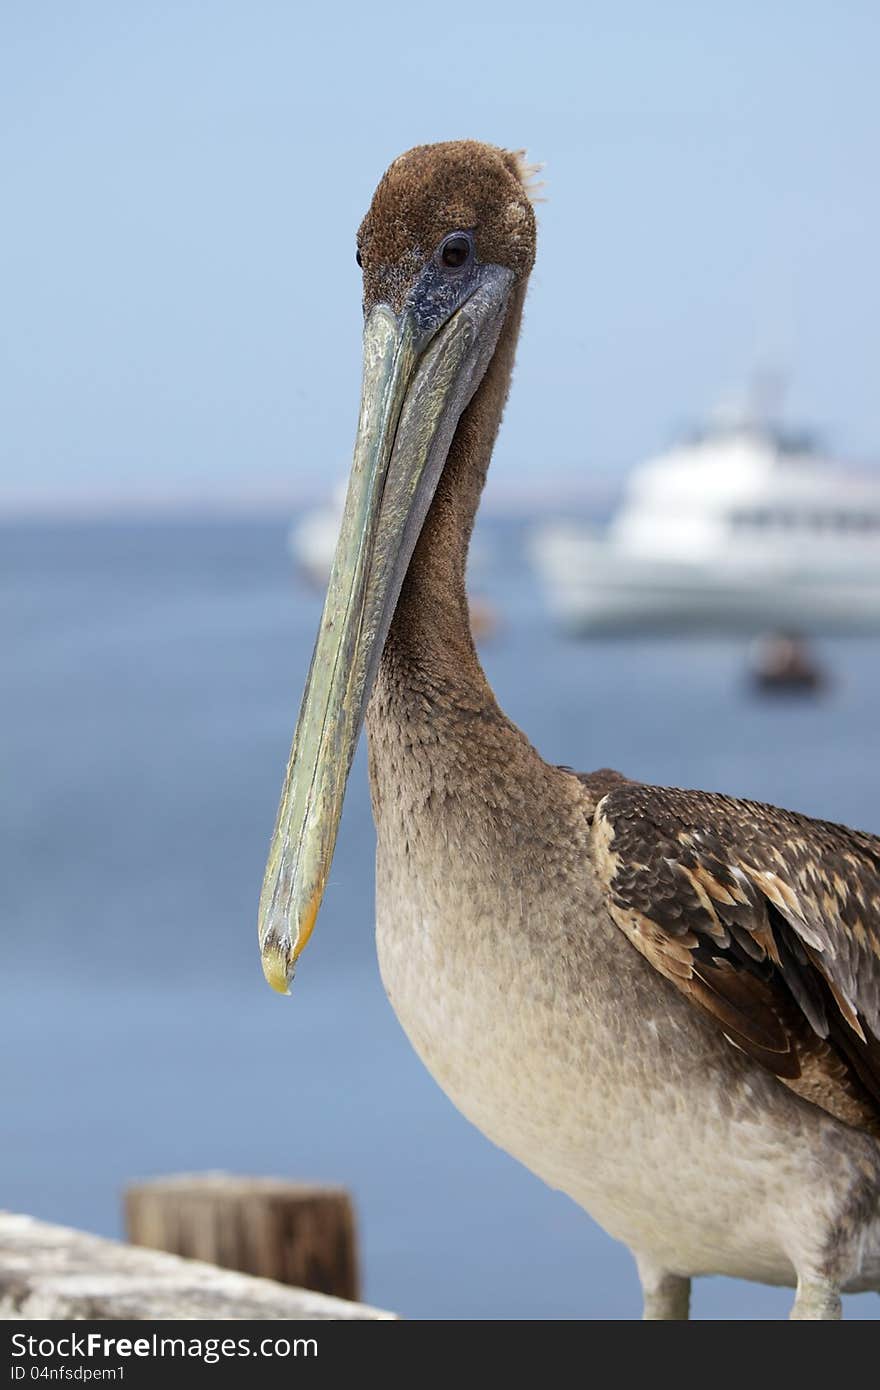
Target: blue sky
182	183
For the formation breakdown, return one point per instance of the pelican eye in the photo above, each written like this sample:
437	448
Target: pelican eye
455	251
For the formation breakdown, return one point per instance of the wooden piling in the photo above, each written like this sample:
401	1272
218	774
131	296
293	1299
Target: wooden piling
289	1232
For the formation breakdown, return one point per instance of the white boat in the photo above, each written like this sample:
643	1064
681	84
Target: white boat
312	539
311	543
744	527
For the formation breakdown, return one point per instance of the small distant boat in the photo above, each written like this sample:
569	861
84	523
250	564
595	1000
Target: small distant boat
311	542
782	663
744	527
312	539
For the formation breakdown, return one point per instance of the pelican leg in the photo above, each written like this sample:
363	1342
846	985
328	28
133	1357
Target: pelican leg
816	1299
667	1297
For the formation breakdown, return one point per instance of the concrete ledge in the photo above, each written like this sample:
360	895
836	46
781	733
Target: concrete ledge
56	1272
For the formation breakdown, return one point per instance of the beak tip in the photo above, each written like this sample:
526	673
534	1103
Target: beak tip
277	967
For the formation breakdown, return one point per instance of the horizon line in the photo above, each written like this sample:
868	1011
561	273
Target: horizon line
283	504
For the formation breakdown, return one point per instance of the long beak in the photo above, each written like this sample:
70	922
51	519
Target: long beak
417	380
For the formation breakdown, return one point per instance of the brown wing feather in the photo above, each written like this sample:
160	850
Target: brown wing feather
765	919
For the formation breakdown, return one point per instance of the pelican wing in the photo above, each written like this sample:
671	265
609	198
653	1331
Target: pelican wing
766	920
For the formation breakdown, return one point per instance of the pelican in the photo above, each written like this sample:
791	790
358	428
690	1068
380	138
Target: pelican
664	1003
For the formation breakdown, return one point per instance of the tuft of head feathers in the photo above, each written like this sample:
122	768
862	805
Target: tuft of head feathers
528	175
433	190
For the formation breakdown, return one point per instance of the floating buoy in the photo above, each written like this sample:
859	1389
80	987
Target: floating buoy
484	618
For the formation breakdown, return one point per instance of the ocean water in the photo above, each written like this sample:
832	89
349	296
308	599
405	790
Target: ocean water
151	675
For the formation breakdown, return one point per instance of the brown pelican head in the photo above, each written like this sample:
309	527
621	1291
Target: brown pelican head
446	248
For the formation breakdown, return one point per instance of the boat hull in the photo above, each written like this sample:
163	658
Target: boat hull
595	587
